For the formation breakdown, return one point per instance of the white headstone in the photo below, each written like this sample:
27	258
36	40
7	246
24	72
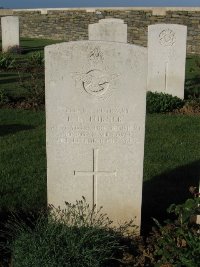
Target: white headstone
166	58
10	33
113	30
95	112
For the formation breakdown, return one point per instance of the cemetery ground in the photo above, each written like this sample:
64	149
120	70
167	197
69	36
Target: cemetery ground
172	145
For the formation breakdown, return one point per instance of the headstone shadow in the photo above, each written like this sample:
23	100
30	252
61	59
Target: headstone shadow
10	80
167	188
14	128
28	49
3	75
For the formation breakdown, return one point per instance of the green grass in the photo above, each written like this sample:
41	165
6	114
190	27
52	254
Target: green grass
192	77
23	160
171	164
171	141
192	66
29	45
9	83
9	80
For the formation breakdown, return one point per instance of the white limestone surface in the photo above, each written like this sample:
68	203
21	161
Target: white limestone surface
10	33
111	29
166	58
95	125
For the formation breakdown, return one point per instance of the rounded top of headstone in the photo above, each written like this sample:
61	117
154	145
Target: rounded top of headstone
169	25
111	20
10	17
60	47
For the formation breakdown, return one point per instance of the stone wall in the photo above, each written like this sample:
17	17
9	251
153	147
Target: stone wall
72	24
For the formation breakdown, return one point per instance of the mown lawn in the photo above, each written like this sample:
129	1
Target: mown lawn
23	160
192	77
192	66
9	79
171	164
29	45
171	141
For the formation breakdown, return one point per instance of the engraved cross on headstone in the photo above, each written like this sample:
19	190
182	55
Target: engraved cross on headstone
95	173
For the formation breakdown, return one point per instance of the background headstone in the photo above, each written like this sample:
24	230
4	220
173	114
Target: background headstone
95	113
166	58
10	33
113	30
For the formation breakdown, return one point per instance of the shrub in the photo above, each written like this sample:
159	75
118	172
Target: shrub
177	243
161	103
7	61
75	237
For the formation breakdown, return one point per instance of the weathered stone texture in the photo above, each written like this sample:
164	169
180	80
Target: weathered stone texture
166	58
10	33
72	24
95	129
110	30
